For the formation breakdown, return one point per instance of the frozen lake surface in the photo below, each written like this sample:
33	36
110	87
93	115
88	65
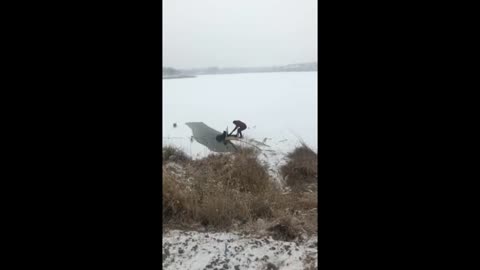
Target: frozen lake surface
281	107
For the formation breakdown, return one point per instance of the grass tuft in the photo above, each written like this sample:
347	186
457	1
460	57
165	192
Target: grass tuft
301	167
173	153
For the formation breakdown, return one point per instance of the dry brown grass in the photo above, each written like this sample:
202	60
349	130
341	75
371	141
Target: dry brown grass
177	200
173	153
285	230
301	168
234	190
241	171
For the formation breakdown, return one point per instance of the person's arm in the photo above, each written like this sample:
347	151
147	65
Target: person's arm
233	131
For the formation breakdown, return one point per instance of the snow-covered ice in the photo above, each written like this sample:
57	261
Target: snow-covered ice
277	107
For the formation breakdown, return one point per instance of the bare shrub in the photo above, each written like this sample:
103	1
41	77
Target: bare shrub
172	199
260	208
173	153
301	206
301	168
248	174
222	209
242	171
178	201
284	230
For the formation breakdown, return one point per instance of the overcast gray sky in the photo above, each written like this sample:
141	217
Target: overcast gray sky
227	33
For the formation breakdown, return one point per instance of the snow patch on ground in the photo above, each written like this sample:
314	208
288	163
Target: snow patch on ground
203	250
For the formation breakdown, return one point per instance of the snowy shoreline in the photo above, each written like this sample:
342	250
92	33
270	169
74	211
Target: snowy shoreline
204	250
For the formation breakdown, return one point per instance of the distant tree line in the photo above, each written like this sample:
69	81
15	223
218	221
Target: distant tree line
169	71
311	66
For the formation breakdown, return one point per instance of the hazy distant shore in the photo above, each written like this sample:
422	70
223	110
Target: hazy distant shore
178	77
182	73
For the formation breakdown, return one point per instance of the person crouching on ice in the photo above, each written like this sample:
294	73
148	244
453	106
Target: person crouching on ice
240	126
